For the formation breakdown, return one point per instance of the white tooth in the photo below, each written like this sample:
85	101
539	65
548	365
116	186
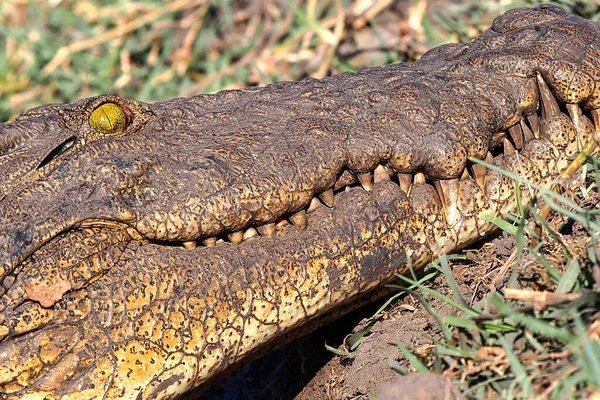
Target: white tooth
549	105
517	135
405	180
596	118
381	174
465	175
534	122
209	242
299	219
419	178
365	180
250	233
189	245
236	237
479	172
314	205
576	117
508	148
268	230
327	197
448	191
527	133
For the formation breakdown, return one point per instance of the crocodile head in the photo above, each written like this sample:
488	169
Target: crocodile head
146	248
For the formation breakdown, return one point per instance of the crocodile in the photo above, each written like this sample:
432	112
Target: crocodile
146	249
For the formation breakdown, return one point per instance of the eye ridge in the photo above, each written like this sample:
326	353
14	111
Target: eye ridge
108	119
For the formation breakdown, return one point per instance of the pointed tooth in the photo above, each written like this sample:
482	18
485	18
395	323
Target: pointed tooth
220	241
534	122
299	219
549	105
327	197
527	133
314	204
365	180
419	178
189	245
465	175
268	230
236	237
508	148
210	242
517	135
596	118
575	114
479	172
381	174
405	181
250	233
448	191
489	158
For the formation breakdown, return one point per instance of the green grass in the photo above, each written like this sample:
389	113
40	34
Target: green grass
155	50
507	347
152	50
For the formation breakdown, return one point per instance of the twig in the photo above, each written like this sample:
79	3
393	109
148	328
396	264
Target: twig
65	52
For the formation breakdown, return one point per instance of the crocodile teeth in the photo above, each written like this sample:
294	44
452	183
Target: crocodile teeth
299	219
549	105
448	191
419	178
381	174
268	230
327	197
516	134
465	175
479	172
534	122
365	180
405	181
577	118
509	149
236	237
250	233
527	133
189	245
210	242
596	119
314	204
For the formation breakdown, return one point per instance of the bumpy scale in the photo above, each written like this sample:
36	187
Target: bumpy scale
146	248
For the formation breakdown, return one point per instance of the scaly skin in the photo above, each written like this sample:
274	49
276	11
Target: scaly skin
99	299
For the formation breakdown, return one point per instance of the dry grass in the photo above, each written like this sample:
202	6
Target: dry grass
60	51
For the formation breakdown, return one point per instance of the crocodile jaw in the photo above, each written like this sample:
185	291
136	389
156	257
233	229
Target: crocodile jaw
176	318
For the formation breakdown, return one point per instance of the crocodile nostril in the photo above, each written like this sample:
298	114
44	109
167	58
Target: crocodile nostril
60	149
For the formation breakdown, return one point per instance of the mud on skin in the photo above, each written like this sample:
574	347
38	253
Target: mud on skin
147	248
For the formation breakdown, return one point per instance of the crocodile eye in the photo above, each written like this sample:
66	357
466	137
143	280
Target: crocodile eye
108	119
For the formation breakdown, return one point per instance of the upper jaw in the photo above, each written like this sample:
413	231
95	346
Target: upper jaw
215	166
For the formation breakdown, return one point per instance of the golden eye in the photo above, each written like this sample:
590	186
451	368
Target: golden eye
108	119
